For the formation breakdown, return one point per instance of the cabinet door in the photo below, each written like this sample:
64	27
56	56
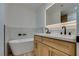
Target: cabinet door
54	52
66	47
45	50
38	48
41	49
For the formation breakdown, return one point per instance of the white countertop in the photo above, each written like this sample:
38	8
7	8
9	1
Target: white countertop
59	37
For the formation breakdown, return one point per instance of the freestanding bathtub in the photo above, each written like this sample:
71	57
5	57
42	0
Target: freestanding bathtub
21	46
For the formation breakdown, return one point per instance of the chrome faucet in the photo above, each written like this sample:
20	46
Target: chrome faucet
64	27
47	30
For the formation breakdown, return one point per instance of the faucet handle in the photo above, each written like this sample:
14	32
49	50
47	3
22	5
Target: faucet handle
24	34
69	33
19	34
61	33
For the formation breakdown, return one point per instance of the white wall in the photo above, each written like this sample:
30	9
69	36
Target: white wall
2	13
20	16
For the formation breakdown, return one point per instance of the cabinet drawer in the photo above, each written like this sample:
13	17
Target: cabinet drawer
38	38
66	47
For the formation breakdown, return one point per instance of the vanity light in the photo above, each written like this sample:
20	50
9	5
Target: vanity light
54	25
71	23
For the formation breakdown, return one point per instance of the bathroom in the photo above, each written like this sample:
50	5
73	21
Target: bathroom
23	22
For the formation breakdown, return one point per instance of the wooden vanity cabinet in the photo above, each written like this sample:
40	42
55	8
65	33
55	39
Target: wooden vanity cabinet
44	46
40	49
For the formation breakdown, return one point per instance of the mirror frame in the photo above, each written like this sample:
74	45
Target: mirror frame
46	10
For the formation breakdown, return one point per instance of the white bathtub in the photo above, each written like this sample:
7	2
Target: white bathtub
21	46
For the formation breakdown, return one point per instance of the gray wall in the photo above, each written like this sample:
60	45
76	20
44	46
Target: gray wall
20	16
2	13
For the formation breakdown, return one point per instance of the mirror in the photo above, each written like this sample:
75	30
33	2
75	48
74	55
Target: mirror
61	12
